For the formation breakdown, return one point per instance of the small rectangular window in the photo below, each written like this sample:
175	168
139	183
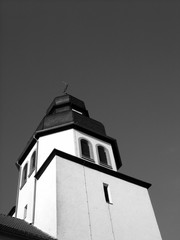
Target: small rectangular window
107	193
25	212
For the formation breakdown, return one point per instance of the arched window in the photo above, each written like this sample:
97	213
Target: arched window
32	162
103	156
86	149
24	175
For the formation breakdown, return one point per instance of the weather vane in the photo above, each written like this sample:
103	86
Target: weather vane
65	87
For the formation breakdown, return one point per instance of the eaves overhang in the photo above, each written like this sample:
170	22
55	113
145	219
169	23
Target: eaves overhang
68	126
91	165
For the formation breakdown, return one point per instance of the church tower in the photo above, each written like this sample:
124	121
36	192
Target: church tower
70	185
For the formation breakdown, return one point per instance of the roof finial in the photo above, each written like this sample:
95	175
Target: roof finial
65	87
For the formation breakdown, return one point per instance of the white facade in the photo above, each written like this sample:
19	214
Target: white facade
84	207
46	201
66	141
68	200
25	195
77	208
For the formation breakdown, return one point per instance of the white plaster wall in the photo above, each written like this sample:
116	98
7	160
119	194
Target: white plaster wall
95	141
63	141
131	214
26	193
70	202
72	214
83	212
46	204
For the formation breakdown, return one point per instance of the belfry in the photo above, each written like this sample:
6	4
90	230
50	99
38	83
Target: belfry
70	186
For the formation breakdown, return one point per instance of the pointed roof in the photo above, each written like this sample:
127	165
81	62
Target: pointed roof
21	229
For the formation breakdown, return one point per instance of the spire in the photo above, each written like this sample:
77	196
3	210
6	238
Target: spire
65	87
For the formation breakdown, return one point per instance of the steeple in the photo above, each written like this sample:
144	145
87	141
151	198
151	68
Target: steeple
69	181
68	112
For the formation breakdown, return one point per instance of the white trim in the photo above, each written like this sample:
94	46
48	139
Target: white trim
76	111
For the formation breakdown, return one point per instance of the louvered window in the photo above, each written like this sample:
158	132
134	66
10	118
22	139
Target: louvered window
85	148
103	156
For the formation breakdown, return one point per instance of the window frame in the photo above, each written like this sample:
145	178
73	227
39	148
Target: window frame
108	165
91	158
24	175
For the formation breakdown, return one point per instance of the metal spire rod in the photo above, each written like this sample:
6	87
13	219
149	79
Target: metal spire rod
65	87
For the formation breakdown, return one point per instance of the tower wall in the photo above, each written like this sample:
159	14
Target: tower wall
83	212
46	200
69	196
64	141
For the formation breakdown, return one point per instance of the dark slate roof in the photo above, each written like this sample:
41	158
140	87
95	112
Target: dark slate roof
61	103
19	228
69	117
67	109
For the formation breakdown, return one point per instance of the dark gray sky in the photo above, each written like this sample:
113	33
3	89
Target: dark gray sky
123	59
